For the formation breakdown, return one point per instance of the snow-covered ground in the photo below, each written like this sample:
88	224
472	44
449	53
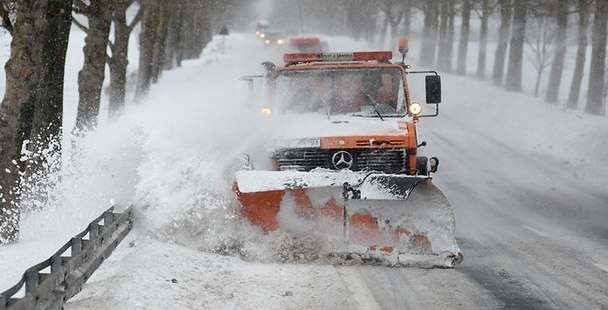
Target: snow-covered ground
527	181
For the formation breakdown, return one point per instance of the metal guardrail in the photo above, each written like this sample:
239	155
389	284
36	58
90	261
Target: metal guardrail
50	290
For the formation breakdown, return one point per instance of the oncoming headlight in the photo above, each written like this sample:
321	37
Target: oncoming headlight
280	42
267	41
266	111
415	108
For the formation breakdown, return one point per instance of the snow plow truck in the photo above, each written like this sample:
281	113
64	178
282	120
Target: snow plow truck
346	165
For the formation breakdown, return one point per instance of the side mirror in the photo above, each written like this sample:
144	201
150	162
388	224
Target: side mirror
433	89
269	67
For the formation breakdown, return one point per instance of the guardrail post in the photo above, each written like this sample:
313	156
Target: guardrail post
56	263
93	233
31	281
2	302
76	246
108	219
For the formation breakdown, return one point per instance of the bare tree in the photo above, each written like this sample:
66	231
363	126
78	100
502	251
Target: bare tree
92	74
358	18
487	7
506	12
540	38
33	97
446	36
463	43
595	97
393	11
557	67
119	61
583	7
163	43
429	34
147	41
516	47
407	17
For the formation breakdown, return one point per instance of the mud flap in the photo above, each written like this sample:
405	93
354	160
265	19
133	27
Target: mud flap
395	219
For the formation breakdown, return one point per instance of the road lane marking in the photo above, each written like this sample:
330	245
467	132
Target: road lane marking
538	232
600	266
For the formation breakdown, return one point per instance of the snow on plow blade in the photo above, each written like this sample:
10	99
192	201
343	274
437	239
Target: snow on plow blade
397	219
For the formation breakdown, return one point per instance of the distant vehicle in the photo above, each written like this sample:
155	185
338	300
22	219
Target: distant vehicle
273	38
261	27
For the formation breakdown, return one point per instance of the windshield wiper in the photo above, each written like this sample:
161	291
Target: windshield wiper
327	108
374	105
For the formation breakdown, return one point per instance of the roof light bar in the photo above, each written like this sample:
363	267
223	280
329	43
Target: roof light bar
337	57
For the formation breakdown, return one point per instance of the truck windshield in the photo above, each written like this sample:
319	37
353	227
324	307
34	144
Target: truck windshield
366	92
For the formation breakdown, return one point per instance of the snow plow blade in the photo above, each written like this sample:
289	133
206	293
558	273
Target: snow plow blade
385	218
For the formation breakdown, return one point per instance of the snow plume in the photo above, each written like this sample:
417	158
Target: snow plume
173	155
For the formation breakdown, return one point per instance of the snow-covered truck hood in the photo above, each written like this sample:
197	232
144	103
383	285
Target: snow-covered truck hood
307	129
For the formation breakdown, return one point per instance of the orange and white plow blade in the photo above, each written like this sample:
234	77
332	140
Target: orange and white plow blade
400	220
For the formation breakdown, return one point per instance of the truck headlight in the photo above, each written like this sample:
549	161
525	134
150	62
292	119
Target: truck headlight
415	108
434	164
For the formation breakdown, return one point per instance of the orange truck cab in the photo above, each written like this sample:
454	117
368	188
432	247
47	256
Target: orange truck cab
367	95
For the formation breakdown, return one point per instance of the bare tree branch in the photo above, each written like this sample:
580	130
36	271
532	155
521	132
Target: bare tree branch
79	24
6	20
136	19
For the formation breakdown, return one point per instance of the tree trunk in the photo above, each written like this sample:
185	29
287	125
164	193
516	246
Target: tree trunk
22	79
92	75
119	61
539	76
160	42
33	96
450	44
483	39
577	77
407	18
180	16
595	97
516	50
48	114
442	55
557	67
384	29
503	41
429	35
463	43
147	38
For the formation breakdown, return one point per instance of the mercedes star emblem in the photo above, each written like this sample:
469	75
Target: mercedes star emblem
342	160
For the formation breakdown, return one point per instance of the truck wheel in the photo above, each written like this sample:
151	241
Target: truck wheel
422	165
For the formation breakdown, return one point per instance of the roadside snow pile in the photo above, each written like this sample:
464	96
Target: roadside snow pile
572	139
161	275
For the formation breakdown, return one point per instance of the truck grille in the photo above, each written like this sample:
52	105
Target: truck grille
306	159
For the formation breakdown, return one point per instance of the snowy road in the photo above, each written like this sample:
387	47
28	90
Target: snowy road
531	209
534	237
531	217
